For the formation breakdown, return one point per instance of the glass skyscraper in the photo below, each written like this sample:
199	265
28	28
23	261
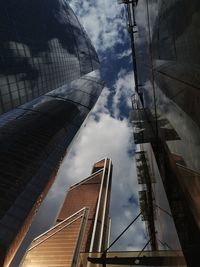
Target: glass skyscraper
49	81
165	44
43	46
82	224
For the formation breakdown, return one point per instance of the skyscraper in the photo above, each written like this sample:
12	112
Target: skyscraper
48	84
82	224
166	107
43	46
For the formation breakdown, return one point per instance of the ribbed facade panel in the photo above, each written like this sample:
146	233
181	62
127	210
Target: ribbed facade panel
91	196
57	246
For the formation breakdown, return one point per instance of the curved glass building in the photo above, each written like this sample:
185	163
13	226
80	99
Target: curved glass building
43	46
48	84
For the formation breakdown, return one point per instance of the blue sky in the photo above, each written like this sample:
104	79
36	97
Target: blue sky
107	132
105	24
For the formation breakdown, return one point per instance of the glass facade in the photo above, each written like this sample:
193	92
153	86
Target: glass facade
34	138
81	224
42	47
48	84
166	48
153	202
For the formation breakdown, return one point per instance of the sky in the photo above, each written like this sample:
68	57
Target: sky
107	132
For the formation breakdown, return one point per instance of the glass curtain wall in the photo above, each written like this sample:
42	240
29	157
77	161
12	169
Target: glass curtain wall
42	47
167	56
48	84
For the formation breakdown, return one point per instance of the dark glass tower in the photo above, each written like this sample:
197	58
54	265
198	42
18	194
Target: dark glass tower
48	84
43	46
166	59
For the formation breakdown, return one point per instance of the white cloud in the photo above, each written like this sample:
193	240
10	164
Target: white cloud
124	87
105	137
103	21
102	104
112	138
124	54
